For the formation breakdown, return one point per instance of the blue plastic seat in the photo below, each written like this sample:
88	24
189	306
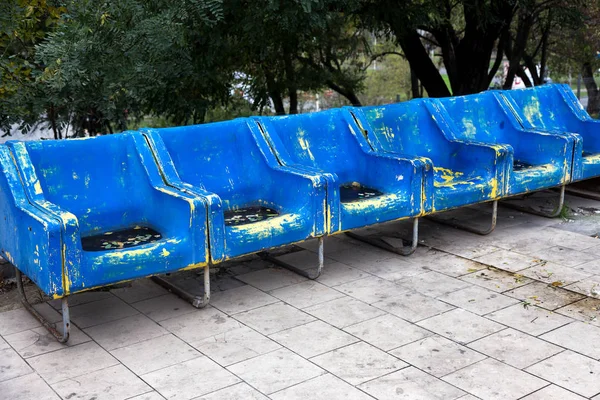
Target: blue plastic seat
554	108
465	172
363	187
541	160
94	212
254	203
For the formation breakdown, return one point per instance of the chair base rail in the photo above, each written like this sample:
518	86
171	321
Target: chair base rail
469	228
61	337
196	301
587	194
382	244
555	213
310	275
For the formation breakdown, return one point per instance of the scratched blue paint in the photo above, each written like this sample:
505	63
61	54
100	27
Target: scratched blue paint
555	109
466	172
88	187
231	167
544	160
331	144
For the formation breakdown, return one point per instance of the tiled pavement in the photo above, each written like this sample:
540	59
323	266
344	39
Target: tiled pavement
512	315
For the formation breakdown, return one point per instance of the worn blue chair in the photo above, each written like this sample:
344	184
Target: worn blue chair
554	108
81	214
541	160
465	172
363	187
254	203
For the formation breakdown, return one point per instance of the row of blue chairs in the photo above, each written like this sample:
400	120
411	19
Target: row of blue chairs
81	214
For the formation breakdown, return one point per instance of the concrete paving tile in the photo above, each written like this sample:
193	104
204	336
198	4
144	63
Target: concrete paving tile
71	362
529	319
236	392
433	284
112	383
100	312
545	296
358	363
387	332
437	356
508	260
27	387
185	380
83	298
12	366
3	344
478	300
20	320
362	257
164	307
273	318
515	348
496	280
344	312
148	396
275	371
588	286
590	267
454	266
491	379
586	310
235	345
140	289
553	392
571	371
461	326
125	331
271	278
371	289
324	387
555	274
469	250
212	321
410	383
391	269
241	299
413	306
564	256
336	273
154	354
577	336
306	294
560	237
313	339
39	341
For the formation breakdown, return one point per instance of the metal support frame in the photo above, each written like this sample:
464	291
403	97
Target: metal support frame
588	194
382	244
529	210
61	337
196	301
305	273
471	229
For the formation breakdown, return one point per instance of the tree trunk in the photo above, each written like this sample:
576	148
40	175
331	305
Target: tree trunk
350	95
414	84
515	53
420	62
593	107
52	116
274	94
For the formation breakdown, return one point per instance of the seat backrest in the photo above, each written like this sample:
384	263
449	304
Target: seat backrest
324	140
408	128
478	117
220	157
97	179
544	108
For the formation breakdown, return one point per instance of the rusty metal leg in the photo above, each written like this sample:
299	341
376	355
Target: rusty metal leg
587	194
196	301
382	244
309	275
471	229
529	210
61	337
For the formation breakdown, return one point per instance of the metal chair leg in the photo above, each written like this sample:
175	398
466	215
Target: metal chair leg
61	337
587	194
382	244
468	228
309	275
196	301
529	210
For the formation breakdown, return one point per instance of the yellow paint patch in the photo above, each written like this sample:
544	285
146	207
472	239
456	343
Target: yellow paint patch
165	253
38	188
